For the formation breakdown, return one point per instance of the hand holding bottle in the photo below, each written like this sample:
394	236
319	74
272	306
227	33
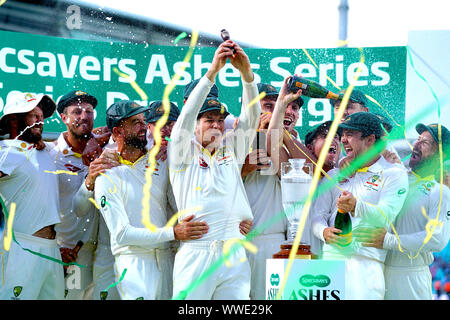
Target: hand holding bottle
287	95
347	202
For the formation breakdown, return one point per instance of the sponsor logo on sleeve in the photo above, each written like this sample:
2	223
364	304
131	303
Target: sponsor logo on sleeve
103	201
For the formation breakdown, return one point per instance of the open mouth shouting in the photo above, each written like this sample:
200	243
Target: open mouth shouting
288	122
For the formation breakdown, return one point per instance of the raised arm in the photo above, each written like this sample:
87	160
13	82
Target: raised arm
274	141
184	128
250	108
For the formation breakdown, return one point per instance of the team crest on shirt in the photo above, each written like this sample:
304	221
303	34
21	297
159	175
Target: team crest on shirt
103	295
17	291
426	187
373	183
202	163
225	158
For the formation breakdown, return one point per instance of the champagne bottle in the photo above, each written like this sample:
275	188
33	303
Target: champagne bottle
226	36
344	223
310	88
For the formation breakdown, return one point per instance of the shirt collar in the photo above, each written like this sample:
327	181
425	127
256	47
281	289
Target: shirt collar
220	148
132	164
376	167
64	148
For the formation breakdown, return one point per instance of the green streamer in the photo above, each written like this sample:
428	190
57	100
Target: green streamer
180	36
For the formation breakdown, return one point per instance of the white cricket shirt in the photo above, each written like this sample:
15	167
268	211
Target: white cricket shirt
34	191
380	194
264	196
411	225
72	228
119	194
213	182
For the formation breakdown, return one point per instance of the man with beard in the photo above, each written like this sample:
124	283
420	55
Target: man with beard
142	253
27	181
77	236
205	172
372	197
422	225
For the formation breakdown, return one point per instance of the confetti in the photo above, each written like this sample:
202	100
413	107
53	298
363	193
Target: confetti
114	284
157	136
8	235
180	36
94	203
62	172
133	84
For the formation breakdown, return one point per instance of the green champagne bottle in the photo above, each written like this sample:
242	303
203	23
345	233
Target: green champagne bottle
344	223
310	88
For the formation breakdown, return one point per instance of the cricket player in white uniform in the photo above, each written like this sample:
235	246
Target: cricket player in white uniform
205	176
25	180
262	185
373	196
103	261
142	256
76	110
422	226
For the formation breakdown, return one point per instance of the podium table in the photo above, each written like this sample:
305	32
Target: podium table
307	279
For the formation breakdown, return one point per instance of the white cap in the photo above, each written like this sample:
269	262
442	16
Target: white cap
20	102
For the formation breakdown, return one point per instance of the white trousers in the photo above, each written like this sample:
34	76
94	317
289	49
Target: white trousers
148	276
79	280
104	274
408	283
268	245
30	277
200	261
364	279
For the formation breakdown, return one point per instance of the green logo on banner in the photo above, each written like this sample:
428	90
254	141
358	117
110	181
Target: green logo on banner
17	291
140	298
275	279
401	191
320	280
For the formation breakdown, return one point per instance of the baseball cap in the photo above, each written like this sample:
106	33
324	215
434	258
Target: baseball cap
121	110
268	89
433	130
23	102
356	96
214	92
212	103
74	95
156	110
366	122
319	128
385	121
